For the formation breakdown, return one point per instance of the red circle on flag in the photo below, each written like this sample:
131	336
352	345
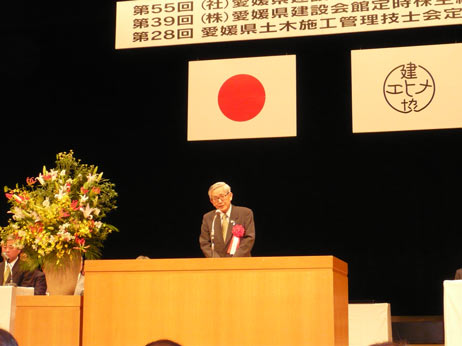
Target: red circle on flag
241	97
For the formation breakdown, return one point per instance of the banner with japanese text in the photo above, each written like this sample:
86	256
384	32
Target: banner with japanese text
406	88
151	23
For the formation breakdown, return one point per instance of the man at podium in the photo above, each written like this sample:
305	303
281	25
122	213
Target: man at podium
229	230
12	274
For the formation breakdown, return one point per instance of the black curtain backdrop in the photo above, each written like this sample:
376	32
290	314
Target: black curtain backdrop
386	203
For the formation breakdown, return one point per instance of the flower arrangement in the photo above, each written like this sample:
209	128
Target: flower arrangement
238	232
60	212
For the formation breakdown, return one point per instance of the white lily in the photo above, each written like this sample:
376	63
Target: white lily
92	177
63	227
40	179
46	202
61	193
63	233
54	174
18	213
87	211
36	216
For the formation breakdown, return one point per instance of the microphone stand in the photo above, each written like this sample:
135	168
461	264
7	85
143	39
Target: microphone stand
212	233
11	283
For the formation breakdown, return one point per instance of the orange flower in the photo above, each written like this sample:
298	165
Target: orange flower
75	205
81	244
63	213
31	181
37	228
80	241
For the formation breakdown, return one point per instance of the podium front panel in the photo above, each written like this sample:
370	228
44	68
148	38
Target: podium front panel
48	320
219	301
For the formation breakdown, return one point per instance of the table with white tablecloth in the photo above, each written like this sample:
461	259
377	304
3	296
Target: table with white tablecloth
452	312
8	304
369	324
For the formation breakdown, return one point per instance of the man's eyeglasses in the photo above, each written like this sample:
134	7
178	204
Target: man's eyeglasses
221	197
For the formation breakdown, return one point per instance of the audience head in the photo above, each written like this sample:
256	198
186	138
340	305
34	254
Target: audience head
6	339
9	249
163	342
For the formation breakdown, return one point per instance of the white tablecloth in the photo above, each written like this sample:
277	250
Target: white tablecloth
8	304
369	324
452	312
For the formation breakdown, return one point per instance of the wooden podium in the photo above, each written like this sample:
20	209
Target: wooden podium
217	301
48	320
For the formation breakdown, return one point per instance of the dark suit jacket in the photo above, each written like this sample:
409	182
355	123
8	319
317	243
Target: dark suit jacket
239	216
23	278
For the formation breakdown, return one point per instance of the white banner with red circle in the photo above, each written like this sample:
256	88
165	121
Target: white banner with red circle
242	98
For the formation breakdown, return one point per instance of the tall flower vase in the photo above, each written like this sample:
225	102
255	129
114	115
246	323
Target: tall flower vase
62	278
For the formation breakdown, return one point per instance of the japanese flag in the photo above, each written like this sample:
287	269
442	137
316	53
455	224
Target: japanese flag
242	98
406	88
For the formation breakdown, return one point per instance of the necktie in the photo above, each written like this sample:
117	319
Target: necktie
224	226
6	274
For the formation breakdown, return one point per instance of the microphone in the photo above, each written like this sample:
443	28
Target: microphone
212	232
5	256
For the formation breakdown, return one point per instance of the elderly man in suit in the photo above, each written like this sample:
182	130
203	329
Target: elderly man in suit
228	230
11	273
